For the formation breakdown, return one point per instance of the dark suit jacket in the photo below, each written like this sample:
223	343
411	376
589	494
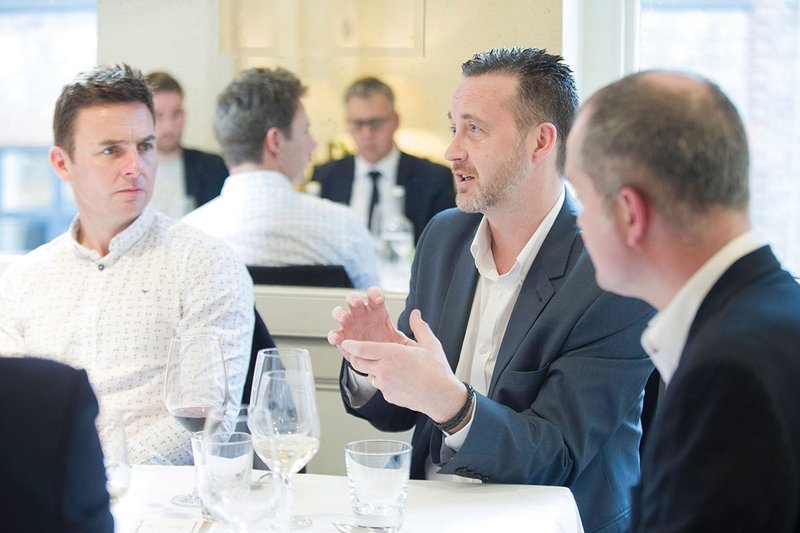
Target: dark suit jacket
565	397
429	186
205	173
724	450
52	477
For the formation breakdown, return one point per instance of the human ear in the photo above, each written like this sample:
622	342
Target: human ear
273	141
632	215
59	160
545	136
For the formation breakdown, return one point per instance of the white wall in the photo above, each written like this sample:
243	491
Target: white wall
183	37
179	36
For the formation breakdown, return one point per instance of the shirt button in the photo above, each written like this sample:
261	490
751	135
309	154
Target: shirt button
100	266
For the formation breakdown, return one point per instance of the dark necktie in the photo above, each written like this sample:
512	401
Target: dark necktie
375	176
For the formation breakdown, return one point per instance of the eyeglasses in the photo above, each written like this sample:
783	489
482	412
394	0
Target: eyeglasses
373	124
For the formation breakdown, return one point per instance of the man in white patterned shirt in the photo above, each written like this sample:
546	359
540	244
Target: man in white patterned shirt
263	130
109	294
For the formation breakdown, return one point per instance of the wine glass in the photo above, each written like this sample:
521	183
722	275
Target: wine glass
115	456
272	359
195	383
284	417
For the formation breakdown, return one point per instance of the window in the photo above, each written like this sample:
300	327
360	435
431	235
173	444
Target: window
45	43
749	48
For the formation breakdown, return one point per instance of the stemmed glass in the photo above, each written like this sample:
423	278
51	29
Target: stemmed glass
284	417
272	359
115	456
195	383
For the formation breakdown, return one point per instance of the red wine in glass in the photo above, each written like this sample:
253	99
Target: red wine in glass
192	418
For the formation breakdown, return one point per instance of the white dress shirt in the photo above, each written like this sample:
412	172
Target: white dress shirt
668	330
361	197
268	223
115	316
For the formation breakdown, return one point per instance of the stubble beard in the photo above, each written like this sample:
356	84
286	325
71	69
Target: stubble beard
508	178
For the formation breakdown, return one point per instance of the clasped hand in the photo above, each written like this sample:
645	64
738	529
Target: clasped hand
410	373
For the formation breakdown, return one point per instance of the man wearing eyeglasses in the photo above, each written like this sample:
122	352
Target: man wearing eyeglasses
366	180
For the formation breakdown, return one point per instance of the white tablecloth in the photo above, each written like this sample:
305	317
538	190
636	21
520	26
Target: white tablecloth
432	506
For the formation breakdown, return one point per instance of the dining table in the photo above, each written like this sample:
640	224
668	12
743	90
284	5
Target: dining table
431	505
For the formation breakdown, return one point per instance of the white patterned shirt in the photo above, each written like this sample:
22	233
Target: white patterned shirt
115	316
268	223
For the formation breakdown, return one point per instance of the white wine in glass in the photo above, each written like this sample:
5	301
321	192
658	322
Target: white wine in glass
284	423
195	383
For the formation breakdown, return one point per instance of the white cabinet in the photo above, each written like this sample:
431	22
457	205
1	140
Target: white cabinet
300	317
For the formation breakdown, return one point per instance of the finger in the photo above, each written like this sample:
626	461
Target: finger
422	331
373	351
340	315
355	302
375	298
365	366
335	337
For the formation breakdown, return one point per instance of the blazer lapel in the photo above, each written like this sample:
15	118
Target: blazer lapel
458	304
744	271
348	176
404	176
537	289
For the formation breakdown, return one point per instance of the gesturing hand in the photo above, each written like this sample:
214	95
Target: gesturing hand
415	375
364	321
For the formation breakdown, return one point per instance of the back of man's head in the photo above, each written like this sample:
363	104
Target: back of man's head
546	91
101	85
677	139
366	87
256	101
160	81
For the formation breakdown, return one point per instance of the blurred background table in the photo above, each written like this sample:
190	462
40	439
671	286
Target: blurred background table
432	506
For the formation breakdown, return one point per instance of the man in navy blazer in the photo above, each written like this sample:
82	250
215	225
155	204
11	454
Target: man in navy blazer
52	477
523	370
660	162
186	178
372	121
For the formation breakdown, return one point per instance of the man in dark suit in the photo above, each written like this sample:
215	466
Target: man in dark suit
186	178
660	161
513	312
367	179
52	477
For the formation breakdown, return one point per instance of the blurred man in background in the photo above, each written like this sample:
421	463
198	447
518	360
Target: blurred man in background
366	180
263	129
186	178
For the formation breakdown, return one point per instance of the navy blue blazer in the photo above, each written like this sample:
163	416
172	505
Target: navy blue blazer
723	453
565	397
52	477
429	186
205	174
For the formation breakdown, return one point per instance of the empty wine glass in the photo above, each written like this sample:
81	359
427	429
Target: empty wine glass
284	417
115	456
195	383
273	359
